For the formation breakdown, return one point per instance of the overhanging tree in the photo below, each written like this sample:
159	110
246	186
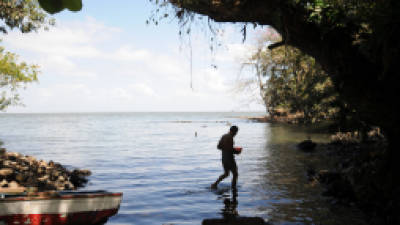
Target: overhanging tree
355	41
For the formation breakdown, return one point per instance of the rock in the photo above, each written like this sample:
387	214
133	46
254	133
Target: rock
6	163
85	172
42	163
77	178
31	190
31	159
6	172
13	164
4	183
326	176
235	221
24	168
307	145
41	170
55	173
50	185
311	173
69	185
61	178
28	172
20	178
13	155
2	151
12	190
13	184
44	178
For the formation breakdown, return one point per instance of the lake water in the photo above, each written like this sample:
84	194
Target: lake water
165	171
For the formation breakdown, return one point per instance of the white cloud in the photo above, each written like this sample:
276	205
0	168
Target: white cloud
143	89
127	53
87	66
120	94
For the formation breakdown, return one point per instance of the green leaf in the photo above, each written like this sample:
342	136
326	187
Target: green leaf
55	6
52	6
73	5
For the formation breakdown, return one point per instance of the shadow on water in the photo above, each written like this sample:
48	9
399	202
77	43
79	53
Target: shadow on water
282	186
229	212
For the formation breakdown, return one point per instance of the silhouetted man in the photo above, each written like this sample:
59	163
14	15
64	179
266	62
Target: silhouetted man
225	144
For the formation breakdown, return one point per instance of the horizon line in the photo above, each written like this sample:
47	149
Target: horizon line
83	112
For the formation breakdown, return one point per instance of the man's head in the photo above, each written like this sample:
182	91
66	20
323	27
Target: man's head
233	130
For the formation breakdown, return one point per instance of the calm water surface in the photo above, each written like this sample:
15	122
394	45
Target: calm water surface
165	171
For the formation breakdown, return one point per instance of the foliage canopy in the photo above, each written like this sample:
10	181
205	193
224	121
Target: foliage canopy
13	75
293	82
26	16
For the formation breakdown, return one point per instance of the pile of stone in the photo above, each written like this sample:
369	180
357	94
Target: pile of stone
19	173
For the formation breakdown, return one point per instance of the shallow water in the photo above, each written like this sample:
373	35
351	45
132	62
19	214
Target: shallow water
165	171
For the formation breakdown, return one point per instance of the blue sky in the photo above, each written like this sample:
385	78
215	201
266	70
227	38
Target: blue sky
106	59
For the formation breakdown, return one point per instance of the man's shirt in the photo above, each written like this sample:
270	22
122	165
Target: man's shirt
225	144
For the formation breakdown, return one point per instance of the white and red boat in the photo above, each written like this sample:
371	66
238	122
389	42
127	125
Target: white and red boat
59	208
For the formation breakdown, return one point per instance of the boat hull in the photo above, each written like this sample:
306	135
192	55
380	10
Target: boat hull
65	208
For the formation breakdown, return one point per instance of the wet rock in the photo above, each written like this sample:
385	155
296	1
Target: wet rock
236	221
307	145
85	172
311	173
78	177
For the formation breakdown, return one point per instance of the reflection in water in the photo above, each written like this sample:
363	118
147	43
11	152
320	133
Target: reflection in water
230	213
282	180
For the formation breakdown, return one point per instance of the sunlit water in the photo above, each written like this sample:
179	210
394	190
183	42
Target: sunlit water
165	171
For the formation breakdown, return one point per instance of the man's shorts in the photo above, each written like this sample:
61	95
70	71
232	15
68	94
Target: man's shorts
229	166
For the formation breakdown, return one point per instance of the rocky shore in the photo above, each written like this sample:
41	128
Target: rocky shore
20	173
357	176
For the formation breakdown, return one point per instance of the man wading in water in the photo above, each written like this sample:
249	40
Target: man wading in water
225	144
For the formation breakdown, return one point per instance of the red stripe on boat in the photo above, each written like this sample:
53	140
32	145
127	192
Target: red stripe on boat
77	218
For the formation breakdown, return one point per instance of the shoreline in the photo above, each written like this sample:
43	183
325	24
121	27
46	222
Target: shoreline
354	176
289	119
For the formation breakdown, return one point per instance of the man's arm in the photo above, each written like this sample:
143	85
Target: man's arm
220	145
229	143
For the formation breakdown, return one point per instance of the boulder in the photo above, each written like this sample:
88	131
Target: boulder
236	221
307	145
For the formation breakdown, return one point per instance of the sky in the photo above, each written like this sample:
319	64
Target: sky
105	58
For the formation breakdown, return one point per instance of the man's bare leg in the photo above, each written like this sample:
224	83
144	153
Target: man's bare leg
223	176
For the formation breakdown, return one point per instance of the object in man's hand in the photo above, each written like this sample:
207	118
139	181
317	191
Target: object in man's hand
237	150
